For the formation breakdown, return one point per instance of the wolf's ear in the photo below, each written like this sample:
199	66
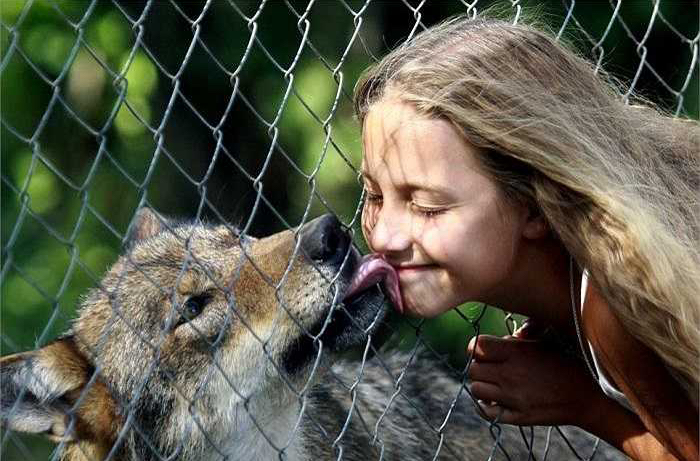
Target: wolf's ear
146	223
40	387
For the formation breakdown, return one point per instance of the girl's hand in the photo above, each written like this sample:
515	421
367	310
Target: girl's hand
523	382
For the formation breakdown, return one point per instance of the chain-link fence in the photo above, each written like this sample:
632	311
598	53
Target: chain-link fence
240	111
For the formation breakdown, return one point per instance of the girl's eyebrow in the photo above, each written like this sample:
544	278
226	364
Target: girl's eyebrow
432	188
414	186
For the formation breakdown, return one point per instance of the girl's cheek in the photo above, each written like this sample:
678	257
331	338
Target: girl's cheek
435	238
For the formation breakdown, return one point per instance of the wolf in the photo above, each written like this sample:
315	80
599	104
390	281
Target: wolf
202	343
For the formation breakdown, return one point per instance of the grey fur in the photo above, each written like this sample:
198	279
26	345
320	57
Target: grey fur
412	426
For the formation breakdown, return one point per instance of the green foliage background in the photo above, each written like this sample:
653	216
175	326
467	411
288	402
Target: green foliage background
94	122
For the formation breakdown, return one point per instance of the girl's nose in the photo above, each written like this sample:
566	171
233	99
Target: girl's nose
390	234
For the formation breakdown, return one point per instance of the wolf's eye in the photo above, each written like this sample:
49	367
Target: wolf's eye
193	307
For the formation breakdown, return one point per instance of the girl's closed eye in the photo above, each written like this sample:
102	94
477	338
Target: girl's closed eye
428	212
372	197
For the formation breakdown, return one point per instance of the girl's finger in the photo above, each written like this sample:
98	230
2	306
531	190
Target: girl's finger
486	348
498	413
488	392
485	371
530	330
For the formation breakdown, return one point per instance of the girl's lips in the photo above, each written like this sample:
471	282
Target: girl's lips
415	268
373	269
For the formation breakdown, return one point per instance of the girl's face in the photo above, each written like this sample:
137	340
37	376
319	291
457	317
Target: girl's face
430	210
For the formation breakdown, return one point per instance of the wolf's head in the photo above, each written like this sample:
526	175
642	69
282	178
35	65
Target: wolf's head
195	334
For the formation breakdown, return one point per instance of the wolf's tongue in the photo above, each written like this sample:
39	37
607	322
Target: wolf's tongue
372	270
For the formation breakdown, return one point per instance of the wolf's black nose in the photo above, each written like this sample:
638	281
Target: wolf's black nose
323	240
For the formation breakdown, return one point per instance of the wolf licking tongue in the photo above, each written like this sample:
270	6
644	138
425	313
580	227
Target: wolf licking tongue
373	269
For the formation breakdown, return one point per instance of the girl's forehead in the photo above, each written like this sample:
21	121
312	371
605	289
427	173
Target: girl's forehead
399	141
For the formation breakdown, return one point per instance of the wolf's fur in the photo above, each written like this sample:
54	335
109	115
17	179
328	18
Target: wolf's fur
137	379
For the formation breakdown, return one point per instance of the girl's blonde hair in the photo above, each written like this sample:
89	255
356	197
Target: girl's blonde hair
617	183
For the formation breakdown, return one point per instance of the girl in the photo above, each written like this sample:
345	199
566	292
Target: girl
499	168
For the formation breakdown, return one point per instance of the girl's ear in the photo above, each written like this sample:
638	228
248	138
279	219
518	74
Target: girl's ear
536	226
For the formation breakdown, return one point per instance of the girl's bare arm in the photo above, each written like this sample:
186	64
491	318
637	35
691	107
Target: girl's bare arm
624	430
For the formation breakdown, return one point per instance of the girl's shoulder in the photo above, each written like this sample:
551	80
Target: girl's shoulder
608	336
655	396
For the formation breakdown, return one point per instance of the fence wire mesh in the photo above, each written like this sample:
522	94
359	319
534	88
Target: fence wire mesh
240	111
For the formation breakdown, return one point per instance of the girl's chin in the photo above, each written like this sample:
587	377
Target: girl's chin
423	293
425	306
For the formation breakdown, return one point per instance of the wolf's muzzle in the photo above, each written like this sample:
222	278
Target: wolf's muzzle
327	245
